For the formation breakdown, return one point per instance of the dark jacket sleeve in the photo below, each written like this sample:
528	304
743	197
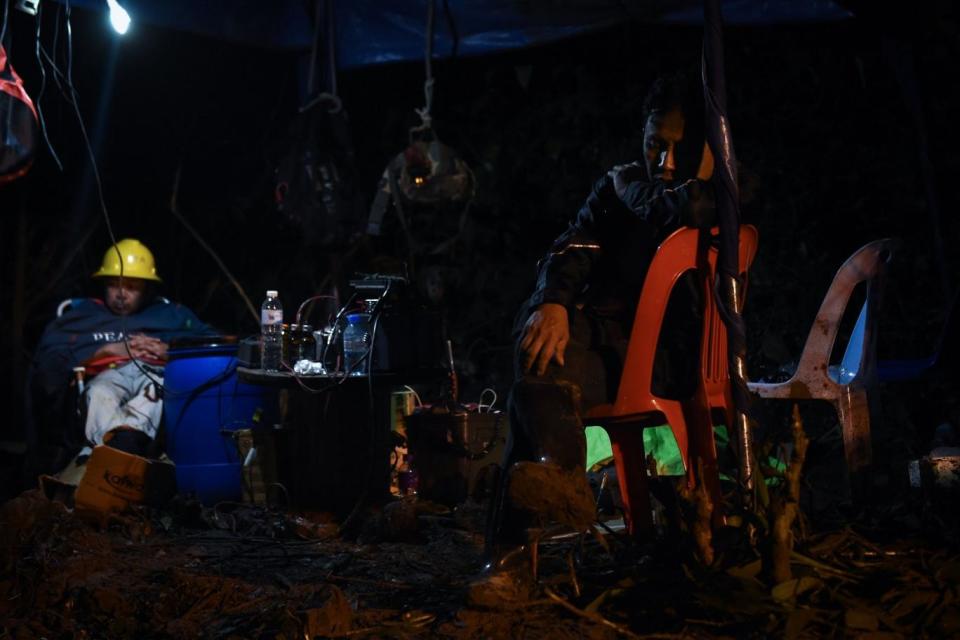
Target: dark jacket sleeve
73	338
184	323
664	204
66	342
564	273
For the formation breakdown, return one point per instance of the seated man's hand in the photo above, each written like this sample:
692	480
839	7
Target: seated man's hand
545	337
142	346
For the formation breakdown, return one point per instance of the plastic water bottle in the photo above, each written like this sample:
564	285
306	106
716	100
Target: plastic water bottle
356	344
271	332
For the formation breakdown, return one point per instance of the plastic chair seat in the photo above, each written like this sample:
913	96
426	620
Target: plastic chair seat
636	406
67	303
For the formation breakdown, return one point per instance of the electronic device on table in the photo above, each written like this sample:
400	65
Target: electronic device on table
407	334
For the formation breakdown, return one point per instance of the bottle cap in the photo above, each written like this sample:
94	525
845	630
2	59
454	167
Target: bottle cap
271	293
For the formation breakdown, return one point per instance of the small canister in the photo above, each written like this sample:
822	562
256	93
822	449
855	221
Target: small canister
293	345
285	336
308	345
320	343
402	404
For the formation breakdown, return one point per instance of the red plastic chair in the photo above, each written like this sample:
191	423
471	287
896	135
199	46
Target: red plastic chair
636	407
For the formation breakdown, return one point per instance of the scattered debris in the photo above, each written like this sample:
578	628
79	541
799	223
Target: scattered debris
244	571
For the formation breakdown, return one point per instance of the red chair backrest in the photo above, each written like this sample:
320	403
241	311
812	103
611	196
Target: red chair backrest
713	357
679	253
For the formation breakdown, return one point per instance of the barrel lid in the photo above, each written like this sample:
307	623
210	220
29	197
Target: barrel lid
200	351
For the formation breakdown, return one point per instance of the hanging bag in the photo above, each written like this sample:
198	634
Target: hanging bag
18	124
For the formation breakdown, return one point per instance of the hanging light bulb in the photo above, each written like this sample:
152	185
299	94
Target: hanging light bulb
28	6
119	17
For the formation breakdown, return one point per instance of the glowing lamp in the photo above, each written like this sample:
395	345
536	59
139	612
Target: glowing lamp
119	17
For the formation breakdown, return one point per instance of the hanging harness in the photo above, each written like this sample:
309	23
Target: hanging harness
427	172
314	179
18	124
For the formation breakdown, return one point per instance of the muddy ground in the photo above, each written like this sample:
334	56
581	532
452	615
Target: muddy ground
242	571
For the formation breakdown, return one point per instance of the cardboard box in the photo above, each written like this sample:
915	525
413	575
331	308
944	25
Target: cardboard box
114	479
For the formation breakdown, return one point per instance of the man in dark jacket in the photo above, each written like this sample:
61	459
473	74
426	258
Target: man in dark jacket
572	332
122	341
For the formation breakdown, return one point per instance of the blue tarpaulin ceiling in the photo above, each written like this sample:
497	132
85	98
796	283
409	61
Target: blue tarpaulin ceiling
382	31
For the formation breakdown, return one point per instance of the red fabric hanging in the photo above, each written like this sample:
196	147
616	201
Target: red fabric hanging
19	125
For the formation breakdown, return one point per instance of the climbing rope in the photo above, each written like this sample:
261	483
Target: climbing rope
426	119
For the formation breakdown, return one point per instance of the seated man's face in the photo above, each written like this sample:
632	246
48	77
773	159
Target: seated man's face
126	298
662	133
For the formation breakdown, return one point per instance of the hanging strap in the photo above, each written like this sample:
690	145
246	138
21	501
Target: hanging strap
5	37
426	119
324	25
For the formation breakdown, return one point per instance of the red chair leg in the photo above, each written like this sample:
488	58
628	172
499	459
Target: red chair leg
628	453
704	452
676	418
692	428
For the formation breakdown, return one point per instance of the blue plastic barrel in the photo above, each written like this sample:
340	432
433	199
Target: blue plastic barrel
203	403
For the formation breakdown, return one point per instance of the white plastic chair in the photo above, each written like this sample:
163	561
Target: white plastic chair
849	385
67	303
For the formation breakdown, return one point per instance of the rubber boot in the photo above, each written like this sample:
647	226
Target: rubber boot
547	495
129	441
548	412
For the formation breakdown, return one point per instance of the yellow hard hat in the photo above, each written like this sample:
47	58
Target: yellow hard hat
137	261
